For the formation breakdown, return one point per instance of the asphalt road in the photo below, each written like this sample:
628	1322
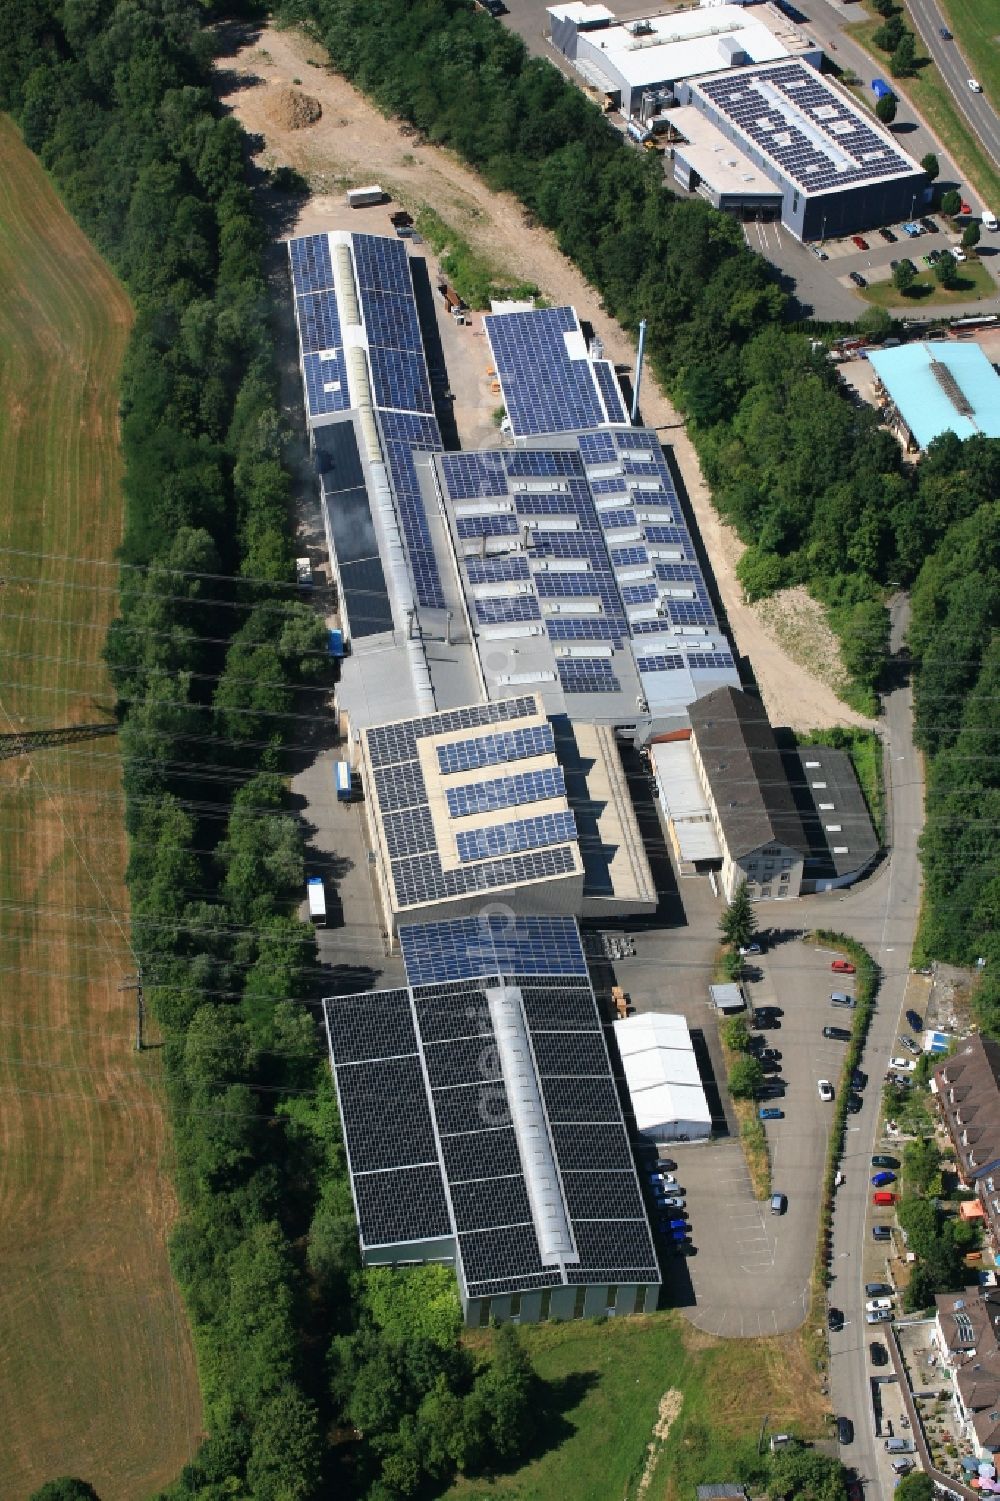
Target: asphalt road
980	115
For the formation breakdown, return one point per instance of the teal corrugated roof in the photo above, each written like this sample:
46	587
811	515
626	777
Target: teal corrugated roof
923	402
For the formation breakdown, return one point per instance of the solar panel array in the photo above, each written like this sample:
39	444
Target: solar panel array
816	136
597	529
545	388
507	852
472	1177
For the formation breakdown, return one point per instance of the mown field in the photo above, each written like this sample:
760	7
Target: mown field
629	1384
977	29
97	1373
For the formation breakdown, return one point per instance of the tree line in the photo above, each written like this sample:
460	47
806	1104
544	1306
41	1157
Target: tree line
307	1383
811	482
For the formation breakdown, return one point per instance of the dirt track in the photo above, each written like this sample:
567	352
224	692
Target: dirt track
354	144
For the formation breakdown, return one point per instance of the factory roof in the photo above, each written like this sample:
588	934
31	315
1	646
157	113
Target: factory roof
664	48
812	131
469	800
941	388
716	159
842	838
549	380
480	1113
581	577
744	771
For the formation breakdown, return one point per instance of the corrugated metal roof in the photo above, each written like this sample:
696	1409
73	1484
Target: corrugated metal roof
928	404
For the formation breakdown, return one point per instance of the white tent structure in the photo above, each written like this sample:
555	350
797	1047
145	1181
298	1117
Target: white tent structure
662	1077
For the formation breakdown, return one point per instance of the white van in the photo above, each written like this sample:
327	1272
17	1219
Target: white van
989	219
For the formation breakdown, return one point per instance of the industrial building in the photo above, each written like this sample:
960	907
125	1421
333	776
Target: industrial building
662	1077
753	812
685	807
930	389
843	843
551	380
483	1128
474	802
638	64
838	170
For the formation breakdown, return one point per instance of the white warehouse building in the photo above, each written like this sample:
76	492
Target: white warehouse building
662	1076
648	56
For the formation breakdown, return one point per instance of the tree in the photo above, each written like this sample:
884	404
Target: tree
884	8
806	1475
915	1487
903	276
970	236
875	322
65	1489
921	1164
889	35
951	202
745	1078
738	923
946	270
902	61
885	108
286	1457
736	1034
931	165
503	1406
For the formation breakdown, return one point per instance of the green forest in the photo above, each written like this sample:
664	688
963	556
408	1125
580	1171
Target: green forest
216	666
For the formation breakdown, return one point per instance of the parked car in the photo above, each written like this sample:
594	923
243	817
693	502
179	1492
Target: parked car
931	257
911	229
769	1055
673	1202
881	1232
844	966
902	1466
883	1199
878	1316
834	1318
909	1044
964	208
881	1179
878	1290
666	1164
819	252
858	1078
874	1304
841	998
878	1353
888	236
825	1089
845	1431
904	1065
881	1160
858	279
913	1020
779	1203
770	1113
854	1103
957	252
837	1034
926	222
750	948
860	241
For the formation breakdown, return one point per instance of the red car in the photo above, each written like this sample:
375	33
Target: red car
861	243
966	208
842	967
882	1198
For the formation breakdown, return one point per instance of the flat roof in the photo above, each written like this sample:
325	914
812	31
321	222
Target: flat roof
480	1116
718	162
812	131
684	802
581	578
550	382
468	800
681	44
943	387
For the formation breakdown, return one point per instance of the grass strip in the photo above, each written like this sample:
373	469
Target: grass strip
474	278
974	282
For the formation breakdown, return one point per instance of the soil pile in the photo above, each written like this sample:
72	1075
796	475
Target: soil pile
290	110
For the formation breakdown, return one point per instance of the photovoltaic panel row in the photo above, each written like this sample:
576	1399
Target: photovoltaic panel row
519	834
602	1196
424	880
470	527
319	322
489	1152
381	264
506	792
587	676
497	570
500	609
312	267
660	662
474	476
586	1101
504	1260
403	1204
485	1205
398	742
611	391
326	384
492	943
545	391
534	463
385	1115
391	321
376	1025
597	448
399	379
492	750
410	832
621	1250
563	1004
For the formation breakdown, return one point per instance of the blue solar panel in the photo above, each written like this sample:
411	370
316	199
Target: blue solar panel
497	570
566	585
544	389
491	750
381	264
402	432
597	448
326	384
491	944
399	380
587	675
687	612
585	630
486	526
677	536
712	659
312	268
512	838
506	792
535	464
639	594
659	663
614	484
319	324
499	610
611	391
624	557
613	519
391	321
474	475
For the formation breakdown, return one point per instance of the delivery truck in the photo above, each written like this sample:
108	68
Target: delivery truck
342	781
317	901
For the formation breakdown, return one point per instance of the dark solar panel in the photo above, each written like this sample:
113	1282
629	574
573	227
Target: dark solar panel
409	833
603	1196
379	1025
570	1053
583	1100
469	1108
402	1205
492	750
582	1147
385	1114
544	389
462	1060
491	944
492	1254
506	792
611	391
486	1152
519	834
622	1249
494	1201
587	675
563	1004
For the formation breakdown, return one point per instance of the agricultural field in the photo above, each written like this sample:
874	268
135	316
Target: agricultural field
652	1407
97	1373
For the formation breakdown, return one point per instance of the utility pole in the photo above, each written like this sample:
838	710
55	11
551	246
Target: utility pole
134	982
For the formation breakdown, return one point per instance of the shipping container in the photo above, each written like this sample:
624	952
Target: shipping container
363	197
342	780
317	900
